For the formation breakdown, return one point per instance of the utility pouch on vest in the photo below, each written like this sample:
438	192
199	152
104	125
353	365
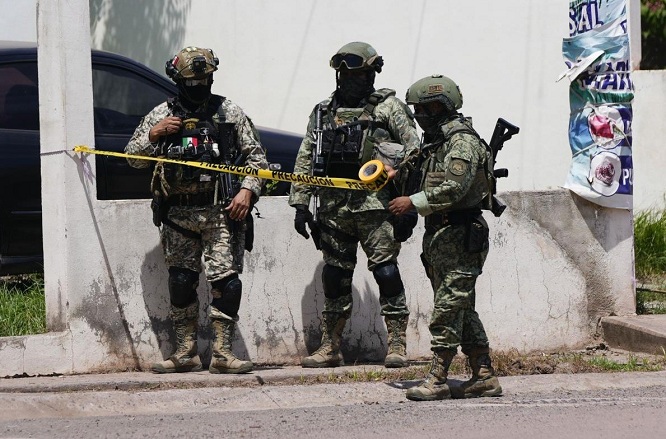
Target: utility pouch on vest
476	234
159	207
389	153
428	267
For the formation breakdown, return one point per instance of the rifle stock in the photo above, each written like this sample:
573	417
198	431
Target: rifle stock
318	169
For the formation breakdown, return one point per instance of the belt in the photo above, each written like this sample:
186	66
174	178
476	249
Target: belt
435	221
200	199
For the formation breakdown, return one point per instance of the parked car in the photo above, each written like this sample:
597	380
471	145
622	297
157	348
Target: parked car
123	92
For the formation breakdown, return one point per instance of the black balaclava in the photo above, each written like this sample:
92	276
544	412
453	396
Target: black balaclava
353	89
193	96
431	121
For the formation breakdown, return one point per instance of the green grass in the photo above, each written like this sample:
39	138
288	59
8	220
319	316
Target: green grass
650	302
633	364
650	244
22	305
650	255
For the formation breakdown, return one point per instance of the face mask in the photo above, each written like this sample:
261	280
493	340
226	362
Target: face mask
429	124
354	88
195	94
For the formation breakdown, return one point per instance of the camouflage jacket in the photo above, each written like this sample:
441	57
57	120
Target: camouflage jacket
454	170
400	124
248	146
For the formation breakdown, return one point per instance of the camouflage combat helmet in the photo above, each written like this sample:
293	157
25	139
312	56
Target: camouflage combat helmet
435	88
357	55
191	63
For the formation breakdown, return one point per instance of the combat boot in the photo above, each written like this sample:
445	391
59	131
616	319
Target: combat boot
483	381
185	359
396	326
434	387
328	354
223	360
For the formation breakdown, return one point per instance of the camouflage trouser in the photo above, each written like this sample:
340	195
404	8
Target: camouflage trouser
342	231
454	321
221	245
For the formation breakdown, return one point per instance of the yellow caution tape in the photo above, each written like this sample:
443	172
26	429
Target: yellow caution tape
372	175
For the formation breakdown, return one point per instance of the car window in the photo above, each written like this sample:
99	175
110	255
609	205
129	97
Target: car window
121	98
19	96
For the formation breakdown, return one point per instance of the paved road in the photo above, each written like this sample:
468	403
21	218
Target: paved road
545	406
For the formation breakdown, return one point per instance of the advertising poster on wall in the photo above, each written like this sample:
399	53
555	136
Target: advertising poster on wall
600	94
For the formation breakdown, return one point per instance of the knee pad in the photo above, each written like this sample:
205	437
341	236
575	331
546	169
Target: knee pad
388	278
337	281
182	286
227	295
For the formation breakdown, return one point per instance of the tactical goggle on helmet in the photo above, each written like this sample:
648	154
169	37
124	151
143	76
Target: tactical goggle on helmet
192	63
435	88
357	55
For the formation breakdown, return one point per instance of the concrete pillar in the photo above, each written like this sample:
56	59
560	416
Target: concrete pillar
66	119
76	269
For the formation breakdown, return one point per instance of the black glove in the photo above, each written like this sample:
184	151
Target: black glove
403	225
304	216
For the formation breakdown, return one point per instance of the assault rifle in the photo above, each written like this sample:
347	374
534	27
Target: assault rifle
318	161
318	169
503	131
229	184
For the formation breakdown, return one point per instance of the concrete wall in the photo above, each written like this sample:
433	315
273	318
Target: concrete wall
556	265
649	137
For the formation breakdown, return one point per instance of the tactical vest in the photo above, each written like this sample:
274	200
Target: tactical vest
351	134
479	193
204	137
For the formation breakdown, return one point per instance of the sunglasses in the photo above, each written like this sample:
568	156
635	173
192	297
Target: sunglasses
193	82
349	59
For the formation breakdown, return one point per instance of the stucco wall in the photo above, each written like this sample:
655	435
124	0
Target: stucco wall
649	131
556	264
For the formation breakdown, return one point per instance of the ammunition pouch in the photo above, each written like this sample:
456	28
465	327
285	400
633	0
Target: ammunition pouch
160	207
341	149
476	228
476	234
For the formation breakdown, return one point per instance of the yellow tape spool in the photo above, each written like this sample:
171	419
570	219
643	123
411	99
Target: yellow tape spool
373	172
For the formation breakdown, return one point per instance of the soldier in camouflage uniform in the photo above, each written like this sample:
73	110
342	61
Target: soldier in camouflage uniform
352	123
202	213
454	184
